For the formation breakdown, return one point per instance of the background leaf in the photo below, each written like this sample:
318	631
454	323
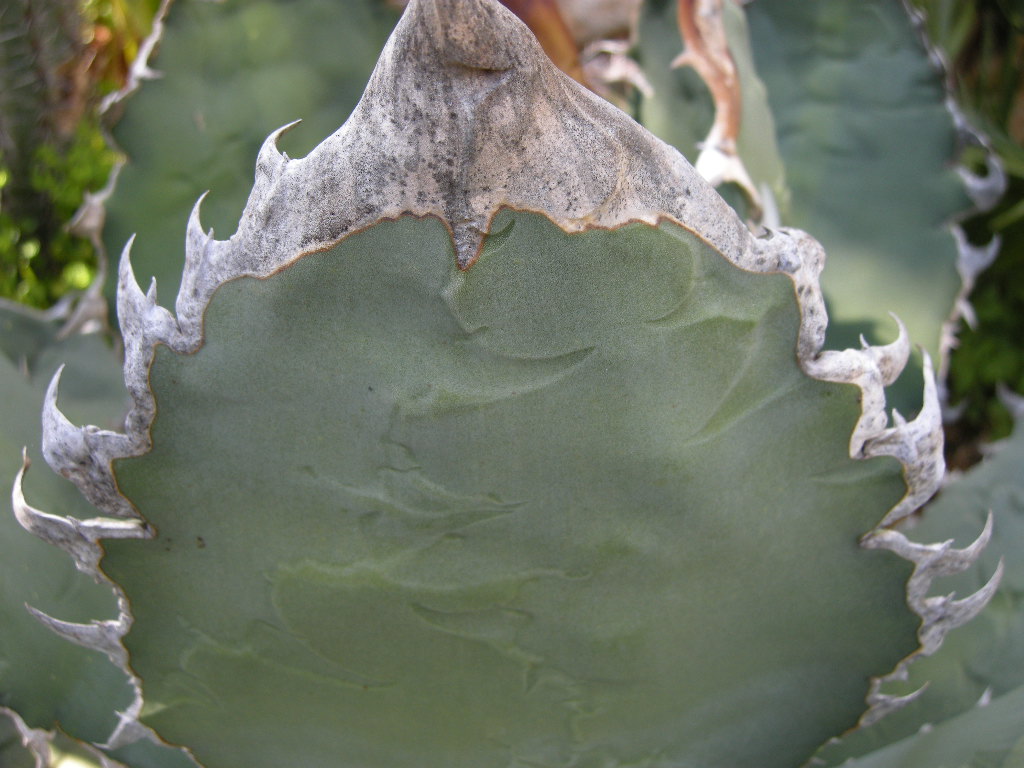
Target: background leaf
988	653
868	148
233	75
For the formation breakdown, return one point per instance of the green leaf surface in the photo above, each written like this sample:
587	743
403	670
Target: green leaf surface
233	72
988	653
868	148
575	505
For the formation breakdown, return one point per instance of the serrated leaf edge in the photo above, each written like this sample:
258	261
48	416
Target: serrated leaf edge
649	182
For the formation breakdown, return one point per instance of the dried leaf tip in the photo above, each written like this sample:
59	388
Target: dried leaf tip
464	115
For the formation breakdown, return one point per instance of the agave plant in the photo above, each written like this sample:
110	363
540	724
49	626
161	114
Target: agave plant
493	436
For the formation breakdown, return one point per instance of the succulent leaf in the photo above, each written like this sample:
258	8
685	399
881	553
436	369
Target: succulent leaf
494	437
439	545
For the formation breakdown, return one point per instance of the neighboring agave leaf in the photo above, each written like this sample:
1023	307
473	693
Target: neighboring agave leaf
869	147
233	73
44	678
681	111
13	754
521	450
991	736
25	747
24	333
986	659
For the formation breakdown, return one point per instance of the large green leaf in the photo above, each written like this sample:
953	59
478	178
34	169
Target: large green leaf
474	518
493	437
233	72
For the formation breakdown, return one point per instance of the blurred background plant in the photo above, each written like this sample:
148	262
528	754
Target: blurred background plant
57	60
983	44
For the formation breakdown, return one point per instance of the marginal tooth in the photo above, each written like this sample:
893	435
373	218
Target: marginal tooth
131	301
140	316
882	704
59	531
1013	402
77	537
985	189
972	259
196	239
468	239
932	560
160	325
63	445
959	560
970	317
891	358
918	445
941	614
102	636
197	246
896	542
82	455
125	273
129	731
96	528
931	392
771	217
142	322
270	159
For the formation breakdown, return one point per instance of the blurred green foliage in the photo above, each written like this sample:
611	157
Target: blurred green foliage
57	59
40	260
984	45
992	353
